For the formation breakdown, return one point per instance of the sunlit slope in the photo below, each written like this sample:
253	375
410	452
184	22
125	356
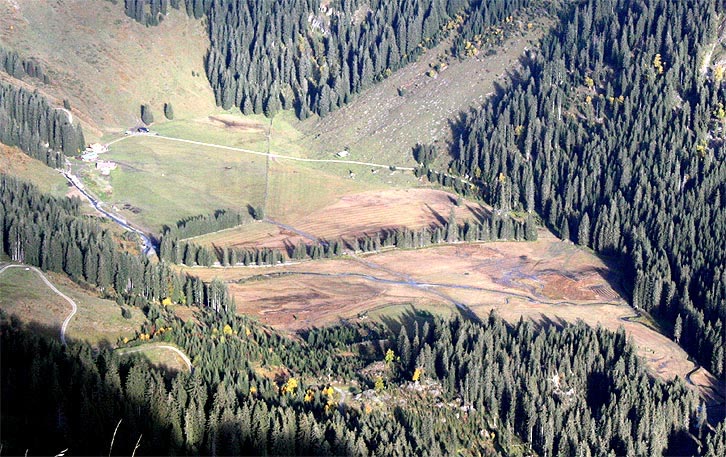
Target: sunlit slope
106	64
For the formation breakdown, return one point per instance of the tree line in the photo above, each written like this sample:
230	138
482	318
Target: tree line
29	122
201	224
19	67
615	137
508	389
494	227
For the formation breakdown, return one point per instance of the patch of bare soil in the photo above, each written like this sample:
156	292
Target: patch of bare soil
236	123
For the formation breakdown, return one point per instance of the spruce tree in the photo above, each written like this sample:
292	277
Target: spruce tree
168	111
147	117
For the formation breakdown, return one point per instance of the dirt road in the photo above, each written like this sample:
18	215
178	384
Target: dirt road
74	307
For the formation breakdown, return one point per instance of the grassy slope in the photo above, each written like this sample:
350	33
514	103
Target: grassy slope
14	162
106	64
24	294
160	357
380	124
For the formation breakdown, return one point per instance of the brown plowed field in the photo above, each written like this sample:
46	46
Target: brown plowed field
353	216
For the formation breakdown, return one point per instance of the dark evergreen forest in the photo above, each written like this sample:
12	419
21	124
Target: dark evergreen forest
618	143
499	388
19	67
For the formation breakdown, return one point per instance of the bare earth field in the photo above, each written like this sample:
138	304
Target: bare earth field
498	274
352	216
546	280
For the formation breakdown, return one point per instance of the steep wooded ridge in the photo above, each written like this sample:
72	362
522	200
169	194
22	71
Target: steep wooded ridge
617	141
270	55
489	388
28	121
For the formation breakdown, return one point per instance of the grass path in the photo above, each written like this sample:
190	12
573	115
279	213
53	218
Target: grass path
169	347
74	307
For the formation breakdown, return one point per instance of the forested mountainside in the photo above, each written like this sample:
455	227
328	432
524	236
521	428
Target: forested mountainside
482	386
613	132
52	234
271	55
547	143
44	132
617	141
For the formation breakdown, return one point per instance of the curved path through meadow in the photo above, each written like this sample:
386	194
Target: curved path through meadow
169	347
74	307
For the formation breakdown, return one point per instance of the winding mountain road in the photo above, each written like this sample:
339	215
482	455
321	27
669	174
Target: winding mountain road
74	307
74	310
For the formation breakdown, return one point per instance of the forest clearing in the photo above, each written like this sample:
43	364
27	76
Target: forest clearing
500	274
164	356
547	281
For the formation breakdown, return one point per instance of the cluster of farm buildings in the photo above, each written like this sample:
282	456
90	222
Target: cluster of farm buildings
91	155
